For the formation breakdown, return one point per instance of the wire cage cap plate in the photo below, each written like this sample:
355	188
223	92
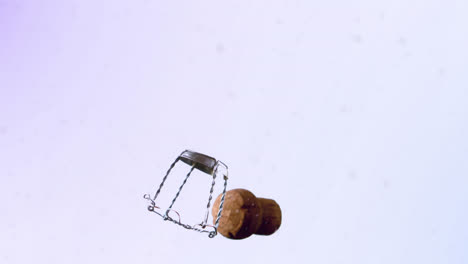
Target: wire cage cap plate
200	161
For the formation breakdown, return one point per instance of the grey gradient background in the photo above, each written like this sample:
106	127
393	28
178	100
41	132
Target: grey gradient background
351	114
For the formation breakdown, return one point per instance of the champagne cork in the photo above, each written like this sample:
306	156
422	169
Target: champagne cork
244	214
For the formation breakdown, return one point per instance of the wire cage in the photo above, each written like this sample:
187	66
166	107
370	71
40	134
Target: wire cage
206	164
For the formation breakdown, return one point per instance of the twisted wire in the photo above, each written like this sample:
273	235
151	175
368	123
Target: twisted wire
221	204
180	188
210	197
165	177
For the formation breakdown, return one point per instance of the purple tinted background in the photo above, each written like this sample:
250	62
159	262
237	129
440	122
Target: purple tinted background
351	114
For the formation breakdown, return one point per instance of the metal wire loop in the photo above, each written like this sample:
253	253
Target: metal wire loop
194	164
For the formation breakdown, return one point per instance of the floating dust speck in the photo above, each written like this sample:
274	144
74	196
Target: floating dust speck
345	109
352	175
231	95
441	71
386	184
356	38
63	122
220	48
382	16
402	41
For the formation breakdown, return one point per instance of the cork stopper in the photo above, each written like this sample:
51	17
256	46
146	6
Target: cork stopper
244	214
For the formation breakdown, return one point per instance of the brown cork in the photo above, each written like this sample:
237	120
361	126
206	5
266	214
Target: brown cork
244	214
271	217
